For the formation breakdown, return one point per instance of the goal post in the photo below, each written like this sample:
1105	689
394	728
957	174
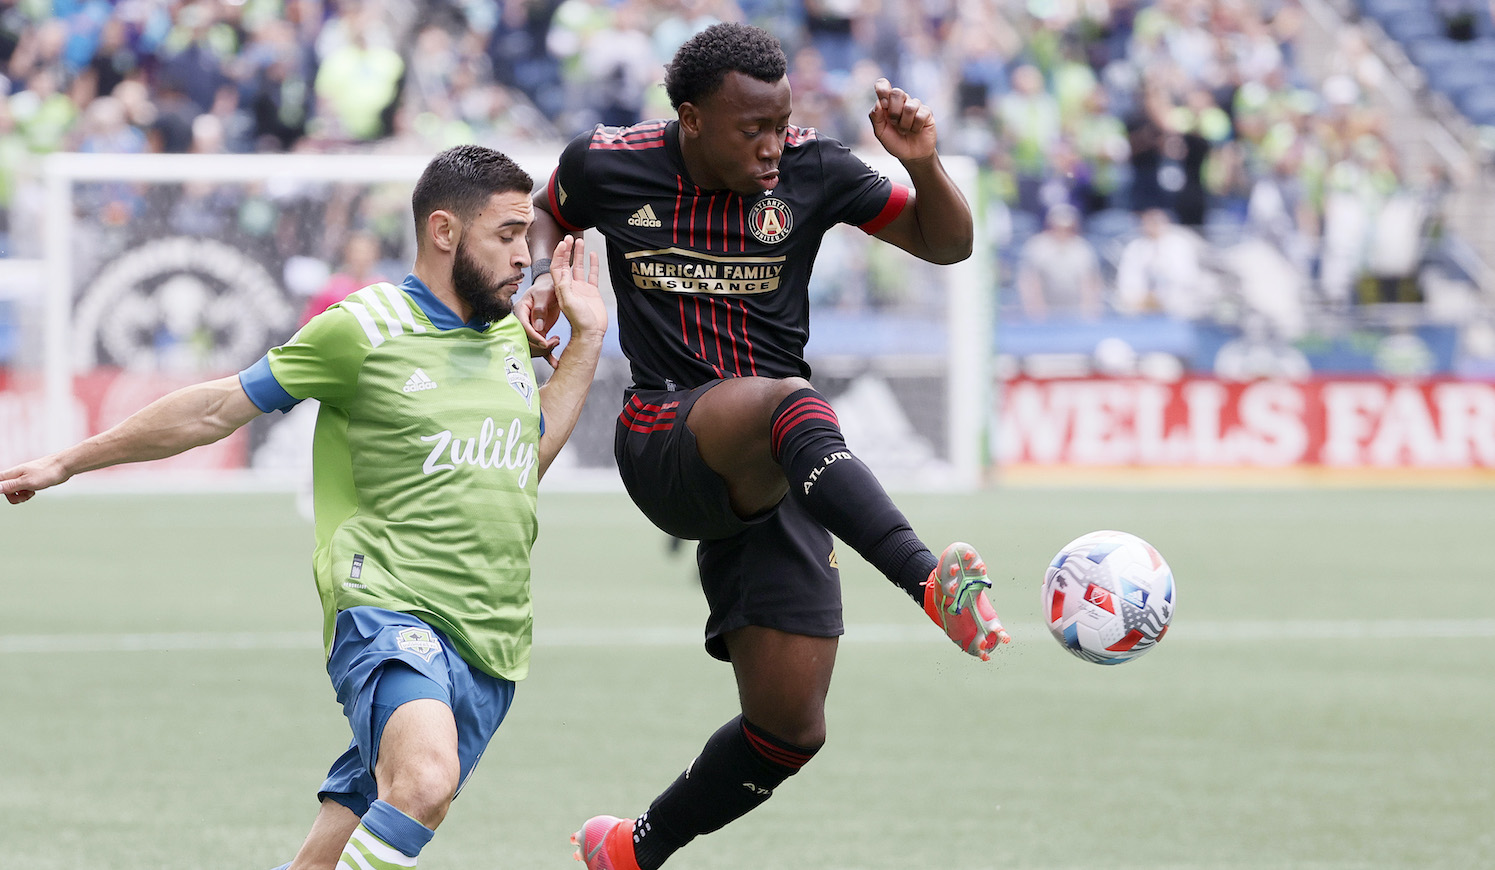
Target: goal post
162	270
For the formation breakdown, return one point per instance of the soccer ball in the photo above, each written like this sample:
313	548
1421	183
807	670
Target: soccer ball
1108	597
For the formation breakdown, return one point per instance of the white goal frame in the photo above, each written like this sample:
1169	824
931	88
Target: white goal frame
969	319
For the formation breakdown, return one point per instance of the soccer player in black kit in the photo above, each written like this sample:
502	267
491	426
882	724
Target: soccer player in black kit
712	223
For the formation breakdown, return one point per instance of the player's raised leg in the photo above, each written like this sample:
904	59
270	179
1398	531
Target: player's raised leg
769	437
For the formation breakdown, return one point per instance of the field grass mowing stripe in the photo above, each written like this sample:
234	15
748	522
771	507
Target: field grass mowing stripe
1188	632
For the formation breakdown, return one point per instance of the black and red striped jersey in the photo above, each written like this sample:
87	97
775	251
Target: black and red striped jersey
709	283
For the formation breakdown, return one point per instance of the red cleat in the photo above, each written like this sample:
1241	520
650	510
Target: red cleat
955	598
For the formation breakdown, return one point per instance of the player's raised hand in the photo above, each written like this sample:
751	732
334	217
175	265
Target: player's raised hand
23	481
538	310
574	273
903	124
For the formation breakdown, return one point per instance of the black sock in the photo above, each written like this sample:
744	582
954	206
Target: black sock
738	770
842	493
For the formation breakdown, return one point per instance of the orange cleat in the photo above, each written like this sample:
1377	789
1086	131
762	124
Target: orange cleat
605	843
955	598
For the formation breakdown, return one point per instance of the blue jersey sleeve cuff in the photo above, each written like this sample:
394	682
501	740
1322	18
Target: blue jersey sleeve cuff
264	390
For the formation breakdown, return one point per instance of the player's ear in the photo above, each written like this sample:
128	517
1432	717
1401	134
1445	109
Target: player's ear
690	119
443	229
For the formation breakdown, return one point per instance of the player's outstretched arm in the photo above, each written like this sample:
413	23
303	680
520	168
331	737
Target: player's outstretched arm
937	224
575	277
190	417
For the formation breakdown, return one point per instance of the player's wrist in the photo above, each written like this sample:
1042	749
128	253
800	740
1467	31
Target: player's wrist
538	268
921	162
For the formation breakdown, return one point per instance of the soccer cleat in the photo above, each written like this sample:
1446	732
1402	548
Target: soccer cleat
955	598
605	843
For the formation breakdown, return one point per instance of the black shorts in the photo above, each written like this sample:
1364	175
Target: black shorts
777	570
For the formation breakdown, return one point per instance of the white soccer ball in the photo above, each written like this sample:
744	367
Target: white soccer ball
1108	597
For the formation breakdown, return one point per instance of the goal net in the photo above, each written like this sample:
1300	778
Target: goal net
165	270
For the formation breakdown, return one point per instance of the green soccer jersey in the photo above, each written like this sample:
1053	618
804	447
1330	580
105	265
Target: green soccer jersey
425	464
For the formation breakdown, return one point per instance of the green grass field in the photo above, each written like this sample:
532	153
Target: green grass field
1325	699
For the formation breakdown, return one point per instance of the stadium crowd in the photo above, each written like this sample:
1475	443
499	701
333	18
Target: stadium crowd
1193	111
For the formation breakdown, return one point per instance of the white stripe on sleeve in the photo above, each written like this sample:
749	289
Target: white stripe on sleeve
370	329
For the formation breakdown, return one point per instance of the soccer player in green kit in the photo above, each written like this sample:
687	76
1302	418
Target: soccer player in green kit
429	445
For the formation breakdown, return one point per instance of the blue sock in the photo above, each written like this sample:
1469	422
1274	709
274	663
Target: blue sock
396	828
386	839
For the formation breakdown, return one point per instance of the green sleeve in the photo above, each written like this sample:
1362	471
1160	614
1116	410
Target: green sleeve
323	359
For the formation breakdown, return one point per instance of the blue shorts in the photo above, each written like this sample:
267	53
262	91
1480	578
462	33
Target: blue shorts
382	659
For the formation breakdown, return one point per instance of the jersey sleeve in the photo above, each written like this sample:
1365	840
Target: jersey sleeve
321	361
567	189
858	194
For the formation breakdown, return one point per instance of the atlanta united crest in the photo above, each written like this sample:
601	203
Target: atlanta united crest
771	220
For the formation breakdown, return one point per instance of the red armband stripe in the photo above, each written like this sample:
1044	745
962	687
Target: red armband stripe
894	207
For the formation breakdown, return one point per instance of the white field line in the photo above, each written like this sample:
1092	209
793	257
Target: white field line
912	633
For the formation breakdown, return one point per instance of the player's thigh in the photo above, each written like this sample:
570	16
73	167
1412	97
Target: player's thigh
662	469
733	423
382	662
418	756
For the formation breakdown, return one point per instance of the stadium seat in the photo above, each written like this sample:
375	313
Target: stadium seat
1453	81
1380	10
1480	51
1412	24
1435	52
1478	104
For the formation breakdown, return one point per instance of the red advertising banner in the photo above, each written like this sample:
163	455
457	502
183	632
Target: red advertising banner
1335	423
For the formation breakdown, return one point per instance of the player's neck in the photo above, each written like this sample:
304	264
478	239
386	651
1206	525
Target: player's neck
439	282
695	167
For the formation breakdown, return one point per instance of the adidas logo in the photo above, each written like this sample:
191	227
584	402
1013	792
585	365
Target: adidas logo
645	217
419	381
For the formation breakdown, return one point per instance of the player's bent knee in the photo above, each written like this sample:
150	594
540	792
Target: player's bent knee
806	731
423	791
786	387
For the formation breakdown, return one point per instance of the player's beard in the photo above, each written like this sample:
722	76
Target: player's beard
478	288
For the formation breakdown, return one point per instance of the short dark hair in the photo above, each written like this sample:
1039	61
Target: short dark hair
462	179
702	63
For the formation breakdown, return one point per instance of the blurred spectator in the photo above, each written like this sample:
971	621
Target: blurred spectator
1058	270
114	60
194	55
282	101
831	26
42	114
38	49
1028	118
1160	271
358	81
619	65
1100	143
516	47
359	269
817	102
679	20
171	131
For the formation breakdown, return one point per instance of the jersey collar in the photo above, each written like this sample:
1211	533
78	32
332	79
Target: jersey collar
436	311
